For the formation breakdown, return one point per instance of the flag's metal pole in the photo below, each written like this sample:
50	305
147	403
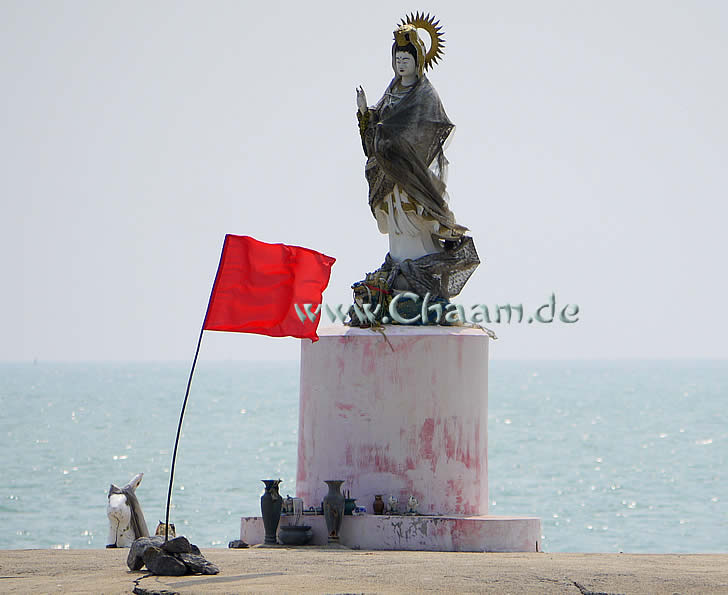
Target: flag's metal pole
187	394
179	431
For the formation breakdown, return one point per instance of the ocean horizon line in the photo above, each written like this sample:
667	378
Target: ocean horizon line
291	360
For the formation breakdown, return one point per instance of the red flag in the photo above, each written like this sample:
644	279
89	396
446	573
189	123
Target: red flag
257	285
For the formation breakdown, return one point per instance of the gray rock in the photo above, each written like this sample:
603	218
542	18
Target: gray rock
163	564
237	544
178	545
135	559
198	564
166	558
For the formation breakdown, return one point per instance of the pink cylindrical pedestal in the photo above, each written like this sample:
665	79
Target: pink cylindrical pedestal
403	413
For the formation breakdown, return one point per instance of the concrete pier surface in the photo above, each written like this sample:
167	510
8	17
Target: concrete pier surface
314	569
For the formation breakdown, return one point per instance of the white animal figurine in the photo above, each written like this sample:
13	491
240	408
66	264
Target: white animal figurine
393	505
126	519
412	505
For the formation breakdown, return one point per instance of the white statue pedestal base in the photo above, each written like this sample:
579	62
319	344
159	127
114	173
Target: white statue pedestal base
418	533
401	413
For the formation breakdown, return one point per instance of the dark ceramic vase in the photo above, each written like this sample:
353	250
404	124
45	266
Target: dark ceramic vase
270	507
334	509
378	504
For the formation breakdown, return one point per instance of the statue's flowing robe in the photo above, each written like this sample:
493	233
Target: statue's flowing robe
403	137
404	141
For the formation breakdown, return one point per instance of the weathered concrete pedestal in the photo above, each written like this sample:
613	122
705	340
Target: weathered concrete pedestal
402	412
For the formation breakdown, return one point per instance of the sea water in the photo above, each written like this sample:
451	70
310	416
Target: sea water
613	456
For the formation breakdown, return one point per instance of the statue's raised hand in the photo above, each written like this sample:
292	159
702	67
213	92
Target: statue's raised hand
361	99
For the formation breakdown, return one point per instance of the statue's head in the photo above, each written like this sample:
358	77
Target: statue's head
407	39
405	61
410	49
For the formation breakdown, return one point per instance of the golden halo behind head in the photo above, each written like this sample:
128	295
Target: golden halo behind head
433	28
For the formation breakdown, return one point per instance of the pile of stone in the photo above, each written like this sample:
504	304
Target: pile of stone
176	557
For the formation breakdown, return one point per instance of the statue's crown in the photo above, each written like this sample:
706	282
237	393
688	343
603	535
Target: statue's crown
406	34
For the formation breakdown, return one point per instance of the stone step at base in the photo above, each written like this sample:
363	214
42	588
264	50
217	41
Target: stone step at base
419	533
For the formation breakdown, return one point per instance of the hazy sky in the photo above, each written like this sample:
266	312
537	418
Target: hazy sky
590	160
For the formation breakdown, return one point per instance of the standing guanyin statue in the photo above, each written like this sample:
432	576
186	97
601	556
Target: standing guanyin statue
403	137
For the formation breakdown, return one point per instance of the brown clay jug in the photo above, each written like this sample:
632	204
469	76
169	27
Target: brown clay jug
378	504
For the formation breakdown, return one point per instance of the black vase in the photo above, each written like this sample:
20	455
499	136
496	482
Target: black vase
270	507
334	509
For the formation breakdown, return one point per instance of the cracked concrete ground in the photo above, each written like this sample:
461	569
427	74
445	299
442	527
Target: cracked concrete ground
323	570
